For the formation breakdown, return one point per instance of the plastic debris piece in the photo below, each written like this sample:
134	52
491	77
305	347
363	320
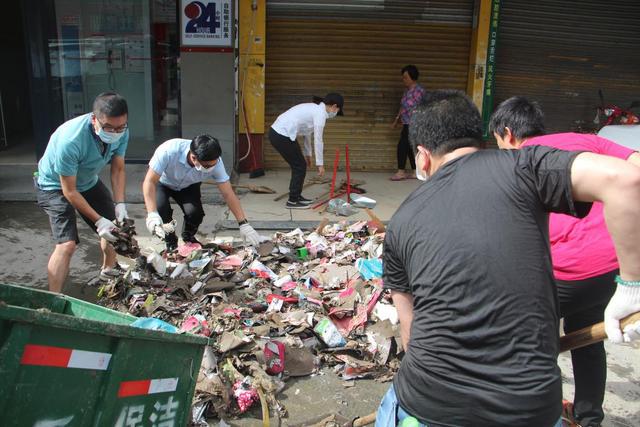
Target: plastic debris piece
157	262
329	333
245	394
282	280
386	312
369	268
200	263
259	269
196	324
274	356
181	271
275	305
341	207
363	201
154	324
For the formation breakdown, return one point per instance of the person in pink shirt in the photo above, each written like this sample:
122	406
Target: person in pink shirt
584	258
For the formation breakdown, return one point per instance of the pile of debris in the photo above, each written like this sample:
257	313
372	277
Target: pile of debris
296	303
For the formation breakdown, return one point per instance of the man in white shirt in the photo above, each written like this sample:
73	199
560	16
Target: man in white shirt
176	171
303	119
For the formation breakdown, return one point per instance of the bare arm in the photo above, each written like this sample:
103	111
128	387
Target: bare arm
71	193
232	200
149	190
634	159
118	178
616	184
404	304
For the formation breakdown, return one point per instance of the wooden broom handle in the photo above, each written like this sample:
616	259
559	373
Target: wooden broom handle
591	334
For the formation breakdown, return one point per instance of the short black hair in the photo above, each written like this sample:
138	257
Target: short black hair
412	70
446	120
110	104
205	148
525	118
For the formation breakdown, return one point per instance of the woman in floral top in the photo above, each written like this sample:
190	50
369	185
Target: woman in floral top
411	98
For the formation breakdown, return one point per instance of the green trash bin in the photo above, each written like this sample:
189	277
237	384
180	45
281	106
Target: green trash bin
66	362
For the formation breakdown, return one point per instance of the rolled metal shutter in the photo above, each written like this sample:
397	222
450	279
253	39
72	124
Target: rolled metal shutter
358	48
561	52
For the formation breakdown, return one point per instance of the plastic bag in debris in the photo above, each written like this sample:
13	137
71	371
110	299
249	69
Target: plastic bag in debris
154	324
329	333
245	394
363	201
341	207
274	357
196	324
386	312
261	270
158	263
369	268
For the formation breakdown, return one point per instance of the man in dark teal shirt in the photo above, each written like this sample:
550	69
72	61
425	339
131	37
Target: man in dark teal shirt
68	181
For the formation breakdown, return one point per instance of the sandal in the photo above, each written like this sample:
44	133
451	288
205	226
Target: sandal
398	177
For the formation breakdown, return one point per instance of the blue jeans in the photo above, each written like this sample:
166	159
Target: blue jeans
391	414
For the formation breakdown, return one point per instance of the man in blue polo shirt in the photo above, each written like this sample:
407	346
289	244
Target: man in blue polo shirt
176	171
68	181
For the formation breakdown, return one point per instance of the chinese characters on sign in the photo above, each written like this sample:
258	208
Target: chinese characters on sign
206	23
162	415
487	103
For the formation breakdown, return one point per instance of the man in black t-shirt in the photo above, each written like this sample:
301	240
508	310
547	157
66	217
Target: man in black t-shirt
468	265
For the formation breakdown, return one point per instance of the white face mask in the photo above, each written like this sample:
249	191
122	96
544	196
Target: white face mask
419	171
201	168
109	137
331	114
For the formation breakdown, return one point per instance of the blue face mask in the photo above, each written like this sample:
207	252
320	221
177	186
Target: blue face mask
109	137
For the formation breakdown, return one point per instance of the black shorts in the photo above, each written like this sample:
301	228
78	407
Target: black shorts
62	216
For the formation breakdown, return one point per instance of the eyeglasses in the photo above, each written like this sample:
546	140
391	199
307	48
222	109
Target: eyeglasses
108	128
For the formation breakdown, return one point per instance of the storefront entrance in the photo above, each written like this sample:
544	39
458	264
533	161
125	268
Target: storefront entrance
127	46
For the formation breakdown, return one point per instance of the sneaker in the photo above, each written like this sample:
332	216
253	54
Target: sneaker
305	201
297	205
110	273
190	239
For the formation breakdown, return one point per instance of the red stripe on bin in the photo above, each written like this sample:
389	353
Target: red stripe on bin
134	388
42	355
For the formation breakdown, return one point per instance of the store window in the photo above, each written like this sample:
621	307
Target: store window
129	46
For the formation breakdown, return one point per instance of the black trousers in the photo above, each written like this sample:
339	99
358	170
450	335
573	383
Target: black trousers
405	150
291	153
582	303
190	202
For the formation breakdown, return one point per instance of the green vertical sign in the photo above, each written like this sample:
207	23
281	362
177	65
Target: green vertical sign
490	67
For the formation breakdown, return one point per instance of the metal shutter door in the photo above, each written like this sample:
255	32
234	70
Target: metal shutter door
315	48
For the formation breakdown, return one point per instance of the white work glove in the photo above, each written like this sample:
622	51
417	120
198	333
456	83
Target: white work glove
154	224
121	212
625	301
250	235
104	228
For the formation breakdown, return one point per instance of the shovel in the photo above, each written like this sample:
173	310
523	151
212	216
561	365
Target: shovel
577	339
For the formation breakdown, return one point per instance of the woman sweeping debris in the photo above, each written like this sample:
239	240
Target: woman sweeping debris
303	119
